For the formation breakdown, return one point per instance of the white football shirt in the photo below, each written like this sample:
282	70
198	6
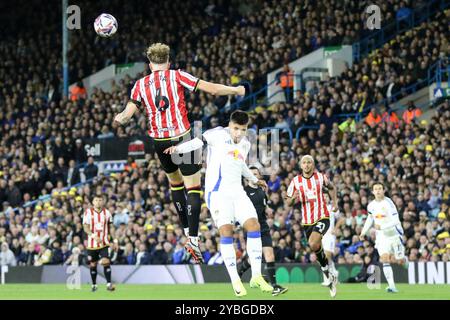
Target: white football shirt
385	214
225	163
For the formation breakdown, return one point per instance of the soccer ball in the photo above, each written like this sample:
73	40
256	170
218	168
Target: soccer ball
105	25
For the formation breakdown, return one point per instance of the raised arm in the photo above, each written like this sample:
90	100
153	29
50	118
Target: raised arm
220	89
332	191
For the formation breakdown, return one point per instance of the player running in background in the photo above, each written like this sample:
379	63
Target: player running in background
96	224
309	189
259	199
161	96
225	196
329	239
389	232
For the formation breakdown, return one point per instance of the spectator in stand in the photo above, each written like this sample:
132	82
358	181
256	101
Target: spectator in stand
7	257
79	152
411	113
73	174
91	169
286	82
373	118
78	93
142	255
390	117
348	125
121	216
274	183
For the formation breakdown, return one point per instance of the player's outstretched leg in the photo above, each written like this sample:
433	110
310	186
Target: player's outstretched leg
229	258
193	216
179	199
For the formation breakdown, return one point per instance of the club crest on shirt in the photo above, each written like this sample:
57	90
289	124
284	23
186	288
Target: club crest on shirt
380	215
236	154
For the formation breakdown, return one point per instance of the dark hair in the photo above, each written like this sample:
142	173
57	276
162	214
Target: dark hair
239	117
380	184
96	196
253	168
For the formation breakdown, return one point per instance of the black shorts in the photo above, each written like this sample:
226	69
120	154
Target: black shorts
320	226
266	239
96	255
188	164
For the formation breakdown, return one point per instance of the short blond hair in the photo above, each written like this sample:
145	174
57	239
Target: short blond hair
307	156
158	53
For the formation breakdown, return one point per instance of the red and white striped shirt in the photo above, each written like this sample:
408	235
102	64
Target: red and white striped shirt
99	225
161	94
311	196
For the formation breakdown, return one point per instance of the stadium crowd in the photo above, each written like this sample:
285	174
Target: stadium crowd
42	134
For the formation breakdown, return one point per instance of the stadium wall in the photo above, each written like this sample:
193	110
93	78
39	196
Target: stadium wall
332	58
103	78
417	273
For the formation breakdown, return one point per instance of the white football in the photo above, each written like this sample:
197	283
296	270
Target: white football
105	25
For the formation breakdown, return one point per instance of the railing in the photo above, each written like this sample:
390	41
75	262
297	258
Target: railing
376	39
302	80
250	98
442	66
253	96
434	75
360	49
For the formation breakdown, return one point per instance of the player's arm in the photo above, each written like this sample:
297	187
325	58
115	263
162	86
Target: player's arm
87	226
125	116
220	89
247	174
109	225
367	225
185	147
291	194
332	191
339	222
394	222
209	136
87	229
291	200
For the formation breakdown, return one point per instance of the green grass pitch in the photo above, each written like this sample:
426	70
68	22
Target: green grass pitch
218	291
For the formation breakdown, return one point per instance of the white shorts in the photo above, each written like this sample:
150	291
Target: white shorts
329	242
390	245
230	207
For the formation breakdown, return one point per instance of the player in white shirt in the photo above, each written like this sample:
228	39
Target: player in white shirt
329	239
225	195
389	232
